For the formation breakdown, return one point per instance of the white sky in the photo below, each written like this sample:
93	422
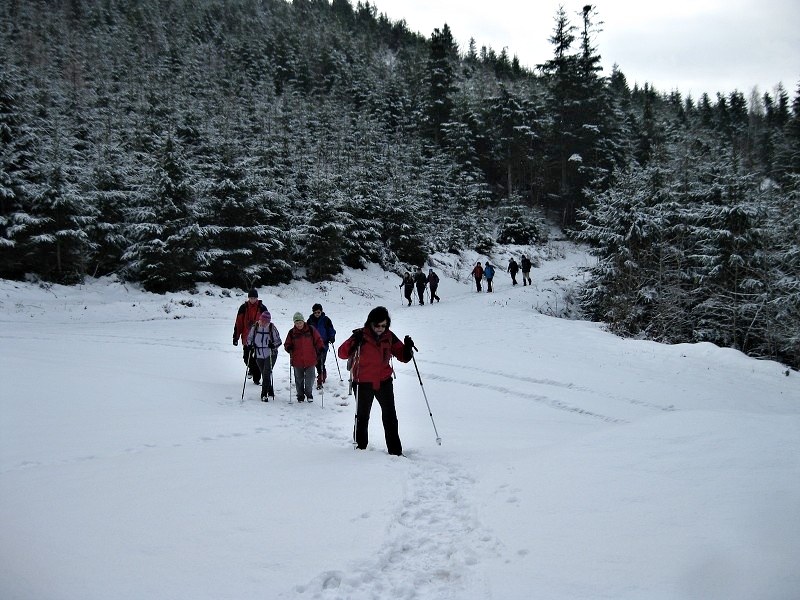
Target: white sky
694	46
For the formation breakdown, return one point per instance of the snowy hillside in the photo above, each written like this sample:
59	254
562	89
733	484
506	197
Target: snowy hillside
573	464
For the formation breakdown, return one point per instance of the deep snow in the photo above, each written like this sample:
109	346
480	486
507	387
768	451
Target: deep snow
574	464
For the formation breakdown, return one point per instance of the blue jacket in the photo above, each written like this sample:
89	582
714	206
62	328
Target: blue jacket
324	327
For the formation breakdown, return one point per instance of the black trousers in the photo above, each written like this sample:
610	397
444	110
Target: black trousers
252	365
365	393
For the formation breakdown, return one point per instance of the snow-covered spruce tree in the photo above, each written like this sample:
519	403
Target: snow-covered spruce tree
111	193
625	229
57	246
509	123
243	232
166	251
320	239
518	225
579	151
16	175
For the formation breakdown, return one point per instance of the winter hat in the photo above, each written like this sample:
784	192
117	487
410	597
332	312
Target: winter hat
317	306
298	317
265	316
253	293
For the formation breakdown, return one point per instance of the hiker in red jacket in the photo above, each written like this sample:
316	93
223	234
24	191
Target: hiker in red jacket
246	317
369	351
477	273
304	346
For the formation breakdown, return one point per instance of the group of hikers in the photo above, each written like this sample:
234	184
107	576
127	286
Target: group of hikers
368	352
306	342
480	272
420	281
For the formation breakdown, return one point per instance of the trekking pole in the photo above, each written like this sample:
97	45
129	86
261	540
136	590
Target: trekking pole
290	378
354	389
246	369
438	439
271	369
337	361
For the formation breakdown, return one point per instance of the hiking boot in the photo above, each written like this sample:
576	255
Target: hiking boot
264	398
301	399
309	398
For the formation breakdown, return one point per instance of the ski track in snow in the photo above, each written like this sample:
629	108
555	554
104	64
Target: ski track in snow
550	383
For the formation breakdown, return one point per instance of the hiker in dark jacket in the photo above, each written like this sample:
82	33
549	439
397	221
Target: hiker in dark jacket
265	339
246	317
370	350
324	326
421	281
433	285
408	286
513	268
526	270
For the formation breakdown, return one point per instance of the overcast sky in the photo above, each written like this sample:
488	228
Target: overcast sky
693	46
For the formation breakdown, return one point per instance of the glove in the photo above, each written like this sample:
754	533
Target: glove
235	341
332	340
270	345
408	347
358	337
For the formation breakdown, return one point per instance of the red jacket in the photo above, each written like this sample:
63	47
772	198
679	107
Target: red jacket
248	315
477	272
371	361
303	345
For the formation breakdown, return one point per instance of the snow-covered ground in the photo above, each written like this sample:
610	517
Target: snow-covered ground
573	464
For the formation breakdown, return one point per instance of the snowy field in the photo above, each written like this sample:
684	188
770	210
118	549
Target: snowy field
573	464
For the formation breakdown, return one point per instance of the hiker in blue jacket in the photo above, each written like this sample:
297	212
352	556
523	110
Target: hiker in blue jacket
324	326
488	273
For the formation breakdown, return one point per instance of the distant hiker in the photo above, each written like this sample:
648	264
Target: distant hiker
477	273
370	350
513	268
265	338
421	281
304	346
246	317
488	273
324	326
433	285
526	270
408	286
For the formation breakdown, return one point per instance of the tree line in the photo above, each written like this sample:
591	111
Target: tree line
245	142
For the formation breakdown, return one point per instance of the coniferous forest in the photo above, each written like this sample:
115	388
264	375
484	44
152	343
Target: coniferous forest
243	142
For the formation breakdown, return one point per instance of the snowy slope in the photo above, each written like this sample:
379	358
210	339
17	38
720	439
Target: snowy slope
574	464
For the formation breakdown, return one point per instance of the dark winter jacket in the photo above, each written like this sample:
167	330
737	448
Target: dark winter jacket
324	327
513	267
304	346
526	264
371	360
248	315
433	280
420	279
408	283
